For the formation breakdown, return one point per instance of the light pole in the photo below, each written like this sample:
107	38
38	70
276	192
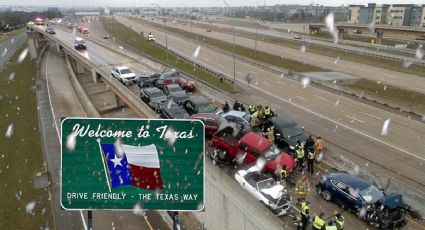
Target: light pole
165	31
233	32
256	34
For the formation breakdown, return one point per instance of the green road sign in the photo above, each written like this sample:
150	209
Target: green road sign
126	163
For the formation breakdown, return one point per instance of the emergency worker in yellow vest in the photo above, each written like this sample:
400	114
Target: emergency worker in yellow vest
339	222
318	222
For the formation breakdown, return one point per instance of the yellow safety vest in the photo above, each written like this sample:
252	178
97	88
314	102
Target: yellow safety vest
300	152
304	208
267	111
340	224
333	227
318	222
283	173
252	108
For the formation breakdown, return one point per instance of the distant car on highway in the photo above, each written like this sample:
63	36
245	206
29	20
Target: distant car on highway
199	104
51	30
151	94
265	189
123	74
105	36
297	36
365	199
176	93
208	30
287	132
80	44
151	37
147	80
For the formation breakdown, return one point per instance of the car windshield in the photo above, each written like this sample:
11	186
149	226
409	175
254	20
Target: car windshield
125	71
292	131
179	113
271	152
371	194
206	108
156	94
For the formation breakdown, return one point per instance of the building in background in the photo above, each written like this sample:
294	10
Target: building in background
396	14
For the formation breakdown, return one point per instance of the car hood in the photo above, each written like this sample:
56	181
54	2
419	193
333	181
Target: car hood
393	200
159	99
280	160
275	192
128	75
292	141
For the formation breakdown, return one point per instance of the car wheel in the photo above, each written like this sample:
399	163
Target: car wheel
326	195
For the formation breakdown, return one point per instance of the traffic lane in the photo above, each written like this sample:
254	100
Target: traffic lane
347	111
51	67
103	57
403	80
9	47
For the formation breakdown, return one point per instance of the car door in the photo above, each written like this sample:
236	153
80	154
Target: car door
344	194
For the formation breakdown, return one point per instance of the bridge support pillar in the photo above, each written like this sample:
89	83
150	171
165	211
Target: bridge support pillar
379	35
79	68
120	103
95	76
341	33
32	49
314	30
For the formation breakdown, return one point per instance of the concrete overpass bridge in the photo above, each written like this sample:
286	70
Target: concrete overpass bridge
314	28
82	63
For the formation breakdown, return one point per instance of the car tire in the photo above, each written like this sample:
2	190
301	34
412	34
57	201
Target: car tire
326	195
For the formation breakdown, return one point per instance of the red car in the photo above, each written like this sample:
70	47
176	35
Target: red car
210	120
188	86
249	148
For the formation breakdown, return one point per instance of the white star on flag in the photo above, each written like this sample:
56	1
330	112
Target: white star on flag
116	161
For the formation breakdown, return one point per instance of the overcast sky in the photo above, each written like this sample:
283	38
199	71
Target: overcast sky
196	3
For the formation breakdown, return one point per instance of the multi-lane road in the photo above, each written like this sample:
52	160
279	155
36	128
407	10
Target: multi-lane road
390	77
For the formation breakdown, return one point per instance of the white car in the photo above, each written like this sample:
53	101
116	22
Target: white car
151	37
265	189
236	117
124	75
297	36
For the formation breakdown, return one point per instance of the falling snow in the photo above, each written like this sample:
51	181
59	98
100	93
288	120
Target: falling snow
261	162
4	52
196	53
330	24
337	60
11	76
305	82
118	148
71	141
303	49
419	53
407	64
9	131
385	127
30	207
23	55
137	210
169	136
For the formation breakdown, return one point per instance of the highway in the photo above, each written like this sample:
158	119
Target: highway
353	46
9	47
104	58
402	80
359	119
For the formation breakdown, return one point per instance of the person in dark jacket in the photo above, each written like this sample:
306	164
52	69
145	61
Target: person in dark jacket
226	107
242	108
236	105
309	144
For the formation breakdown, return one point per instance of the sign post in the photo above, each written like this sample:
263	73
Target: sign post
122	164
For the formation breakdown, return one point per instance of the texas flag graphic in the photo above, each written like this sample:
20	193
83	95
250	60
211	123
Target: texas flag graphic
137	166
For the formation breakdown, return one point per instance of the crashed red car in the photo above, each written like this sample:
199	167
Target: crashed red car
249	149
187	85
210	120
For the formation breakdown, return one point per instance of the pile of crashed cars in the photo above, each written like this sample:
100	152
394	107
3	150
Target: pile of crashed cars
232	142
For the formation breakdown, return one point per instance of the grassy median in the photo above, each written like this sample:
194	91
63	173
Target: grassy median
21	154
11	34
396	95
264	57
363	59
133	39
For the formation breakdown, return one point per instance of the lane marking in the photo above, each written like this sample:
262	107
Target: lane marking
318	96
336	122
380	118
56	127
240	73
282	83
352	117
301	98
265	83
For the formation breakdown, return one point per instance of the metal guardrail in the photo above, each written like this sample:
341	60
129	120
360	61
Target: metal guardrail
120	90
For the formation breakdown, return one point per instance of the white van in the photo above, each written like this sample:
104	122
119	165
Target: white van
151	37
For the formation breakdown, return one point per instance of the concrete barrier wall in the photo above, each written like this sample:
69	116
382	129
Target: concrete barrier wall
88	107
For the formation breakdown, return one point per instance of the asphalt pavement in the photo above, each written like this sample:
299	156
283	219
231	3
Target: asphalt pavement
390	77
9	47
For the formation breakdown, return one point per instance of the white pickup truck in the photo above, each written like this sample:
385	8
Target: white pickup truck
124	75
